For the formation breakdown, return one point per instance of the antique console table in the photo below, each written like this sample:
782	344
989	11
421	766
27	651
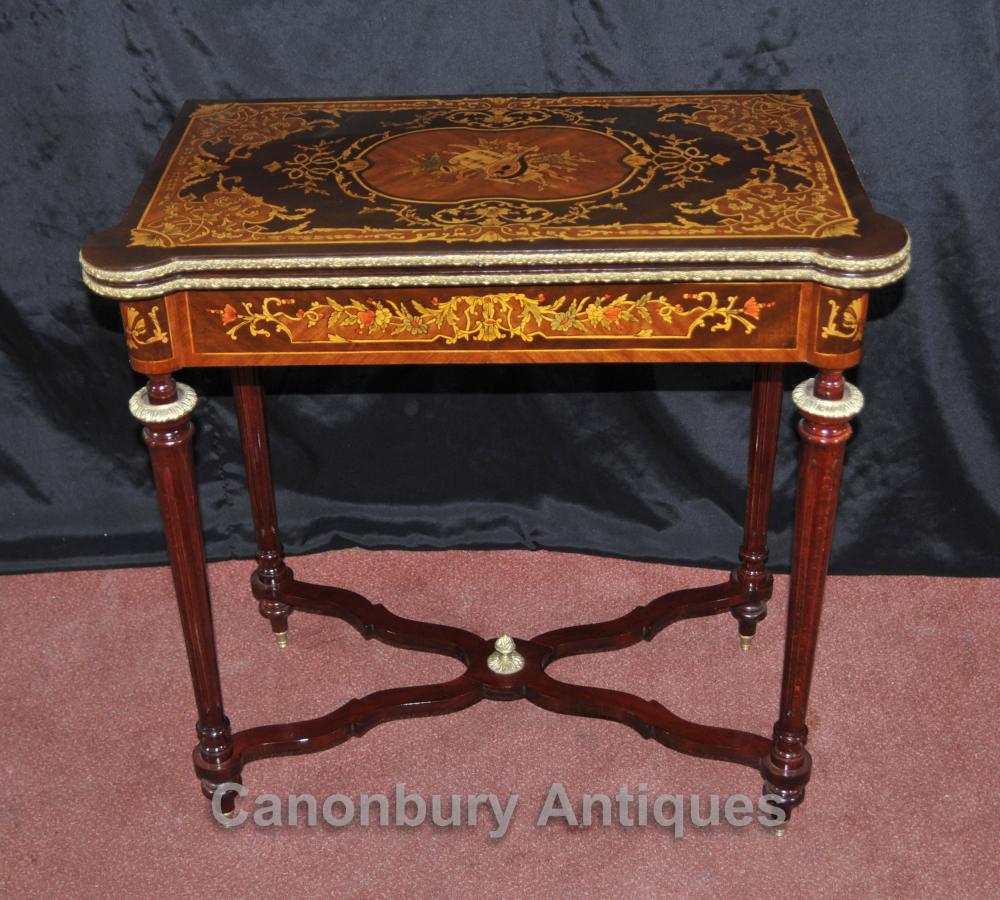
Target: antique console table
705	227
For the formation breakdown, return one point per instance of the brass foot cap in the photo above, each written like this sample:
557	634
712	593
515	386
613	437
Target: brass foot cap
779	830
745	641
231	814
281	638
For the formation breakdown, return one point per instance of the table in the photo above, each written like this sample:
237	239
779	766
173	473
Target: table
704	227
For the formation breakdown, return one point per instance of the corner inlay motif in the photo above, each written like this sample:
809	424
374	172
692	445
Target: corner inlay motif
143	328
847	322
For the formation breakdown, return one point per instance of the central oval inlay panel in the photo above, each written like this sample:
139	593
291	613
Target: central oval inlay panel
541	162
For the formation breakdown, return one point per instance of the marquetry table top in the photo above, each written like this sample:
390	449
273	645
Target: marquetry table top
437	190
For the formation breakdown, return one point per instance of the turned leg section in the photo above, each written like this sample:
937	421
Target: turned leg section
827	404
752	573
271	569
165	407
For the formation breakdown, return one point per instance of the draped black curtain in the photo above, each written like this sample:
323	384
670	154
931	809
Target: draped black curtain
637	461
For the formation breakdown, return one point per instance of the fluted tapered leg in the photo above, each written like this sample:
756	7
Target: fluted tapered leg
165	408
752	572
827	404
271	568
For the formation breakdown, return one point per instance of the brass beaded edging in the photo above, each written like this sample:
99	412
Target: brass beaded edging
557	258
596	276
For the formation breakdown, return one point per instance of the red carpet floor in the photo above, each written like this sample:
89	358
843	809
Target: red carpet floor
100	801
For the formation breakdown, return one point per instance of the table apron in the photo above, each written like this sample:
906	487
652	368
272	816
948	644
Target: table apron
614	323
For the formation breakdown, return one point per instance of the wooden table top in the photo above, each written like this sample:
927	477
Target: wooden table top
498	190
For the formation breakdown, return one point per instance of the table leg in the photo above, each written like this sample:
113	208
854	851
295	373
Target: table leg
752	573
827	404
165	409
271	569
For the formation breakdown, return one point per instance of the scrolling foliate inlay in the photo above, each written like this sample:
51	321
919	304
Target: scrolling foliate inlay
243	127
845	320
147	331
505	112
490	317
142	327
227	213
497	169
840	322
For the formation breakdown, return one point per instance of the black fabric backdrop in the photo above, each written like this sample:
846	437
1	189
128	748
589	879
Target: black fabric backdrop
626	460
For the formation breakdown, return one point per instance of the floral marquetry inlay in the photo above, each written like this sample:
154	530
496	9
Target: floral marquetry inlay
497	169
501	163
490	317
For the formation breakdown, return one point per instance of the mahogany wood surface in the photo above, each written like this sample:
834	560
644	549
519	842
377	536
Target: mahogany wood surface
699	227
752	572
562	323
821	458
173	469
271	568
784	761
649	718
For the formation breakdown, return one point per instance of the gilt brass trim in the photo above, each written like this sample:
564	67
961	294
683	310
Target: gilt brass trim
534	259
148	412
505	660
594	276
847	407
